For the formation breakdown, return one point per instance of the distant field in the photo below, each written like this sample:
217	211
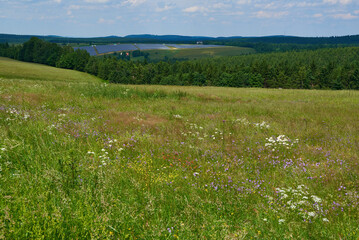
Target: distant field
81	159
157	55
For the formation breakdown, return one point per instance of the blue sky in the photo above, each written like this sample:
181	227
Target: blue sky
87	18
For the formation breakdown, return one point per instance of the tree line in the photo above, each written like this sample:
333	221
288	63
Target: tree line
329	68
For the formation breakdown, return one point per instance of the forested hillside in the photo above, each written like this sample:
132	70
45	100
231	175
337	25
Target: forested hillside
259	44
331	68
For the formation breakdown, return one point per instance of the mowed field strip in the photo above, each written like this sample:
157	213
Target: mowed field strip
83	159
197	53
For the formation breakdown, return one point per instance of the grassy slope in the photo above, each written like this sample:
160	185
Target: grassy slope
90	160
19	70
198	53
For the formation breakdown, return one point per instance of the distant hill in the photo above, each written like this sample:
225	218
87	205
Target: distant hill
148	38
350	39
170	38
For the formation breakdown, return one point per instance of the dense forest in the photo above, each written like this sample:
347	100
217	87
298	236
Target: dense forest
328	68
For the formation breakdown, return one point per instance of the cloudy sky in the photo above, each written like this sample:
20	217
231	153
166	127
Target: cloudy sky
87	18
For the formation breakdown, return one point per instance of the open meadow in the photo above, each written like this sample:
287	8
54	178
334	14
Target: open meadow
82	159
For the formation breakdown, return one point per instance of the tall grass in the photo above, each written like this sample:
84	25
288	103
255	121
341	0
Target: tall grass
121	92
85	160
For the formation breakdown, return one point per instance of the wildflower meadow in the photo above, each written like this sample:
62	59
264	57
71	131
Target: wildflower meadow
83	159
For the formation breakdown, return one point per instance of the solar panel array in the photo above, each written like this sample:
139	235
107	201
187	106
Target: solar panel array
115	48
102	49
89	49
188	46
152	46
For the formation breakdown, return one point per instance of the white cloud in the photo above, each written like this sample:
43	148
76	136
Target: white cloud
356	12
318	15
57	1
194	9
344	16
83	7
343	2
238	13
220	5
48	17
134	2
101	20
163	9
74	7
241	2
271	5
265	14
302	4
96	1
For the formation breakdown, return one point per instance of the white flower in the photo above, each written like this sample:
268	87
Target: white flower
316	199
264	219
281	221
325	220
312	214
3	149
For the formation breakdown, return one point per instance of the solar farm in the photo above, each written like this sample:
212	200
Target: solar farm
89	49
106	49
103	49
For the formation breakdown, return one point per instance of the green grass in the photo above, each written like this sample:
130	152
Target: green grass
12	69
196	53
81	159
